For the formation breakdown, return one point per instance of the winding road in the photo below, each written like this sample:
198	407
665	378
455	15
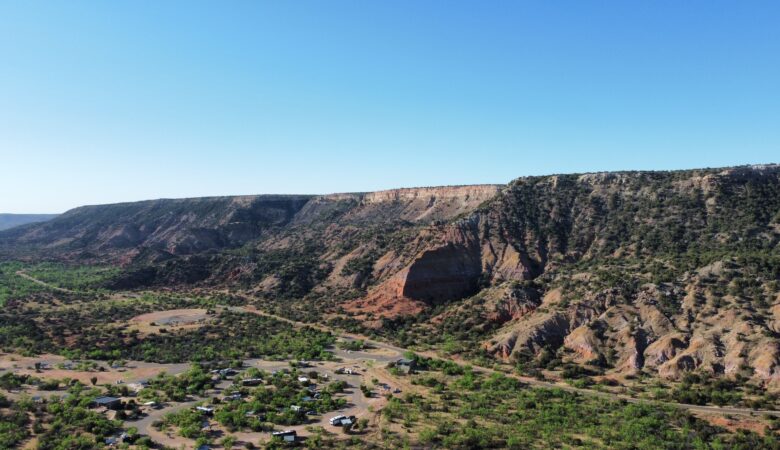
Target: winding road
396	353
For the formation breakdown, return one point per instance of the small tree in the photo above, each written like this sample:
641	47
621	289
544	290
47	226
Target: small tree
228	442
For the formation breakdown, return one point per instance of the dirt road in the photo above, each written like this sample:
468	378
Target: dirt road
396	352
358	405
27	277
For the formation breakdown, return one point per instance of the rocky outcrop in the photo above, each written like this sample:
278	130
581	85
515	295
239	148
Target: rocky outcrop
664	349
432	203
628	332
415	205
533	334
435	275
584	343
765	359
442	273
512	303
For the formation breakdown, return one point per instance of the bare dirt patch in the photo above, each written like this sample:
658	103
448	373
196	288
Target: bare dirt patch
131	372
170	319
734	423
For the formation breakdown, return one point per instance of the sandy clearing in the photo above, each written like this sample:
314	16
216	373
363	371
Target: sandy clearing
172	319
133	371
172	316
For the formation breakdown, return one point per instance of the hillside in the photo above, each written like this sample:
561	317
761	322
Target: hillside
661	273
155	229
622	274
14	220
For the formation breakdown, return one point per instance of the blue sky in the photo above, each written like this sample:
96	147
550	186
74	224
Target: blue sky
117	101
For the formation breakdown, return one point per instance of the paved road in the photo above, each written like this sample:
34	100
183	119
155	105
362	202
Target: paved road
144	424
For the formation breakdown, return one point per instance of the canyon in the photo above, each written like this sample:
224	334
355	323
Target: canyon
662	273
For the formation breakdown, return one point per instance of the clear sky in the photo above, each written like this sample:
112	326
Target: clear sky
108	101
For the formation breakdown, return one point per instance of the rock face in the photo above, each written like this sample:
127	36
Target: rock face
659	272
414	205
435	275
663	312
441	273
436	203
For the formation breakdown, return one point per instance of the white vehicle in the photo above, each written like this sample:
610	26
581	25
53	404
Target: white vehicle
205	409
337	420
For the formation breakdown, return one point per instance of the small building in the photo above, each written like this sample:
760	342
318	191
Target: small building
406	365
251	381
295	408
107	402
287	435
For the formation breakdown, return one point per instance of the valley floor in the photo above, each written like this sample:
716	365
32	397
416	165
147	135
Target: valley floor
371	394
